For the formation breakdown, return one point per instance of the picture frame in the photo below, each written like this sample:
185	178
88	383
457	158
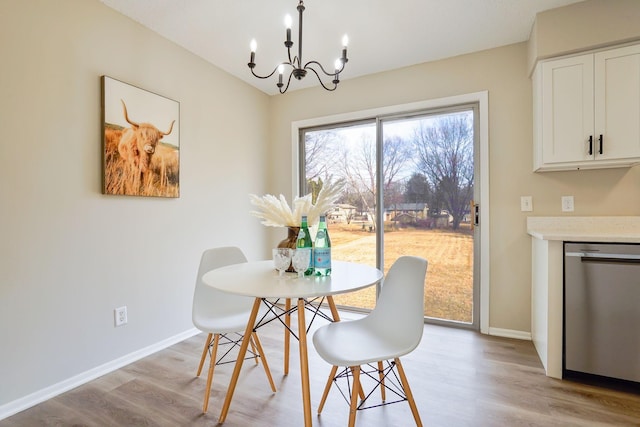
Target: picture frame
141	141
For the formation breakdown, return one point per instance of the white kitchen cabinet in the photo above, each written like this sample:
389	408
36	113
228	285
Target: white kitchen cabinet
587	110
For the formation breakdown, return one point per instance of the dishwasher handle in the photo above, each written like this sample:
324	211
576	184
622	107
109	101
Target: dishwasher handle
605	257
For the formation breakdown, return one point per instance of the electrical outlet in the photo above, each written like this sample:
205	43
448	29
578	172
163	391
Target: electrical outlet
567	203
120	315
526	204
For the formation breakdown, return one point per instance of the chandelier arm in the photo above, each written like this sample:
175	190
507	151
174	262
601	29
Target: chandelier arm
291	61
329	88
295	63
308	66
272	73
287	86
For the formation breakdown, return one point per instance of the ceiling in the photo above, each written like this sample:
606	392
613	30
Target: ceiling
383	34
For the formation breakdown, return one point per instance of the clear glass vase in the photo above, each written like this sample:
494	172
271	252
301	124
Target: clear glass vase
290	242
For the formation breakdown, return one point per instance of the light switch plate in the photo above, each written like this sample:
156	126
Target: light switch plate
526	203
567	203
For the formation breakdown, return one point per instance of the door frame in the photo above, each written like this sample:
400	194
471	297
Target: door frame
482	98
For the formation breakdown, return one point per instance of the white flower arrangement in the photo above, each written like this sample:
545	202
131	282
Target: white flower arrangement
276	212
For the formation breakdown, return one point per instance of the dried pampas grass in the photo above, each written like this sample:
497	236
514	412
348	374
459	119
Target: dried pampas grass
276	212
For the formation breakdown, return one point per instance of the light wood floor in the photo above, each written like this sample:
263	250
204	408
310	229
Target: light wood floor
458	377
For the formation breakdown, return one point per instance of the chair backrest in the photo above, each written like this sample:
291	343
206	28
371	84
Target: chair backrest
399	311
210	303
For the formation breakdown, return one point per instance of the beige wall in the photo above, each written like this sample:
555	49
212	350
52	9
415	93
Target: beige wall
503	73
582	26
68	254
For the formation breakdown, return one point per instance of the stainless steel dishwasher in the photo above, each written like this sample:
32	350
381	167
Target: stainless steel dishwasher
602	310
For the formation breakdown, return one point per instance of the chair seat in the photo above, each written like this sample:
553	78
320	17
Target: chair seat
227	321
354	343
223	325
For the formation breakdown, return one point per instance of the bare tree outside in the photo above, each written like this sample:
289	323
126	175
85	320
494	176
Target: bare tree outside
359	167
396	152
426	167
444	150
318	149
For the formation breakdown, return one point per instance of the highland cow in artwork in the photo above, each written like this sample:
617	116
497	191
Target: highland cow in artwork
138	144
139	158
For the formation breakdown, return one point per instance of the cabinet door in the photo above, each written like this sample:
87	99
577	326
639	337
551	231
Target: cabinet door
617	103
567	109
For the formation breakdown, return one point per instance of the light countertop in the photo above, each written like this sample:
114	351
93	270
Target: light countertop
619	229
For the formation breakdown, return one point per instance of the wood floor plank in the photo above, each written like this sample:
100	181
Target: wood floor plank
458	378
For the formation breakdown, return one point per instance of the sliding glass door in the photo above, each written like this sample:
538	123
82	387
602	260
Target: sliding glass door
408	190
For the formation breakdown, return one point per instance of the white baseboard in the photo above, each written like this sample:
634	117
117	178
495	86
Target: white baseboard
510	333
47	393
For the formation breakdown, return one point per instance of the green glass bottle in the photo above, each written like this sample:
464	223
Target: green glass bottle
304	241
322	250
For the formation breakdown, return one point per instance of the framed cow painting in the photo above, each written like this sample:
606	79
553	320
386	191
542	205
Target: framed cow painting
141	141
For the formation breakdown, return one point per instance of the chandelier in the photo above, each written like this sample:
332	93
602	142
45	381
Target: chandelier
297	69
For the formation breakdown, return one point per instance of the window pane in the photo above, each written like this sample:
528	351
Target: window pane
428	176
347	153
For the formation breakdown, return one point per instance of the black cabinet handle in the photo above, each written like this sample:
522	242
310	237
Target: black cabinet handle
590	145
600	150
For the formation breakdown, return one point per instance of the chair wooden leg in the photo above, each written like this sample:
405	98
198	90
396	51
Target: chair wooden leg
205	350
253	348
212	365
383	391
334	310
254	336
238	367
354	395
407	391
287	334
360	391
332	375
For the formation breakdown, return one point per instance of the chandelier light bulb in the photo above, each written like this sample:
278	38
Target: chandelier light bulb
287	24
280	71
252	61
338	66
345	42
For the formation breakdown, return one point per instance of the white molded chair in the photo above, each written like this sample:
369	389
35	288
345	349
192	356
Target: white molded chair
222	315
392	329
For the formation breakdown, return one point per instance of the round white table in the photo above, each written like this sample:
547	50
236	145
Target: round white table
261	281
